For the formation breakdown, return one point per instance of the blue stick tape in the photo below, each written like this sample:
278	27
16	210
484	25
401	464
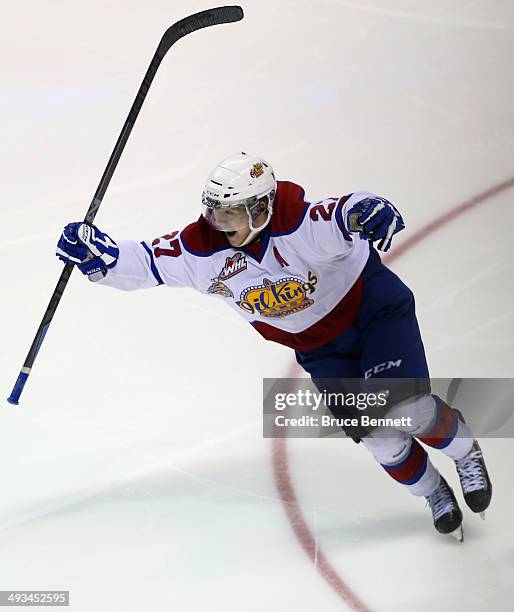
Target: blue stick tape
18	388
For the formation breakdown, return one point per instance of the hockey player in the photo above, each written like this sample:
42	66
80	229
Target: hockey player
301	276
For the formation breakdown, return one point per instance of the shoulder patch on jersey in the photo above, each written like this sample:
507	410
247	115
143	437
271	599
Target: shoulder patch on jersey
289	209
200	239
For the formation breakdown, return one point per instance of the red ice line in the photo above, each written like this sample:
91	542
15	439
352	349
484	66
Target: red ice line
281	468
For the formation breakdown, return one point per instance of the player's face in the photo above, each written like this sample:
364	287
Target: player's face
229	219
236	238
233	221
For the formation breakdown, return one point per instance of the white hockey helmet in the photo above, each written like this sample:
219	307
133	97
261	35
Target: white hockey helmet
237	190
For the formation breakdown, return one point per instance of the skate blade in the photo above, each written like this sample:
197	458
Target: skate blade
482	515
458	534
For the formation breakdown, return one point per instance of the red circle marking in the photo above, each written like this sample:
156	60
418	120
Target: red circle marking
281	468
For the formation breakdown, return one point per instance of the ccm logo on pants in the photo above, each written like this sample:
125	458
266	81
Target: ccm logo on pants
381	367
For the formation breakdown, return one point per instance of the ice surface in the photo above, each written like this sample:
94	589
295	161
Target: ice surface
134	473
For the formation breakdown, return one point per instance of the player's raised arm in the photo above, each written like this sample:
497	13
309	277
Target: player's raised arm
334	225
126	265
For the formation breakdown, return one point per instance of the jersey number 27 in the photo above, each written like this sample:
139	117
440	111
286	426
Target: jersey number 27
173	250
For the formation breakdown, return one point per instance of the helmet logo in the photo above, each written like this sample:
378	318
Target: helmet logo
257	170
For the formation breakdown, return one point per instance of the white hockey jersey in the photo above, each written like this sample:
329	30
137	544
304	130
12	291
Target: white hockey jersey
298	285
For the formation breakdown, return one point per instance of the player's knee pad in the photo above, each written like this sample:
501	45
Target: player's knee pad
418	413
388	447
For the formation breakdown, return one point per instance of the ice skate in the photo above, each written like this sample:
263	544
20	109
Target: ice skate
474	480
445	510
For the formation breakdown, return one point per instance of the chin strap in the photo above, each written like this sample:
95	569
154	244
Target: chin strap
254	230
250	237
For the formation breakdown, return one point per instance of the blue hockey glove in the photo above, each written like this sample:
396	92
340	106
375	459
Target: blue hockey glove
375	219
92	251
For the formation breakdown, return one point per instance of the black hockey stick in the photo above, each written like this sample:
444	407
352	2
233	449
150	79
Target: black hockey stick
215	16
